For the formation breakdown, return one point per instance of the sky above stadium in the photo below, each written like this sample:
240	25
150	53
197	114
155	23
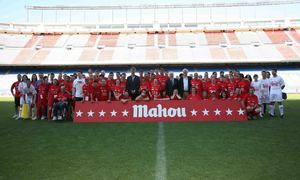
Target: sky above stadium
14	11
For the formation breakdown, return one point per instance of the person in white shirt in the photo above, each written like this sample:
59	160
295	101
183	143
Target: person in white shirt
255	84
276	86
77	87
28	96
264	97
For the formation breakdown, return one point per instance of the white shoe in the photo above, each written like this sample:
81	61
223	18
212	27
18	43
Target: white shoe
18	118
43	117
15	116
33	118
59	118
54	118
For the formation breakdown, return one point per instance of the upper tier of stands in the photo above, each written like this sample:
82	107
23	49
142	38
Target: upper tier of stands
278	45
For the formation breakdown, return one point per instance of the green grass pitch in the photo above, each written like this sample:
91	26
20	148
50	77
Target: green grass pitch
259	149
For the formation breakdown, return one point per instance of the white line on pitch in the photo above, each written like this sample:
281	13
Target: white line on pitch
160	170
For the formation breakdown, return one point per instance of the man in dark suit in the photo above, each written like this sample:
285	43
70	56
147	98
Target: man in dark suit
171	84
184	84
133	84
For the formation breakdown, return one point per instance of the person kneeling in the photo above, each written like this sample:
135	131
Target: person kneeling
251	105
143	96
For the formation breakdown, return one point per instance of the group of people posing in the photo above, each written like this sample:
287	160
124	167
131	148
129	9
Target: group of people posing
54	98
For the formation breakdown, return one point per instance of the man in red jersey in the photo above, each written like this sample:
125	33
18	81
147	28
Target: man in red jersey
237	76
244	85
95	92
117	90
143	96
231	85
237	95
144	85
251	104
90	78
205	81
86	90
105	91
222	83
125	97
214	87
110	80
162	78
197	83
42	98
60	78
61	103
16	94
52	94
194	96
123	81
68	84
155	89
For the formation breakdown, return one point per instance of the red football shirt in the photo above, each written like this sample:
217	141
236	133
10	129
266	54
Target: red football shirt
63	97
193	97
104	92
15	86
231	88
245	86
162	80
95	92
117	90
251	100
214	88
155	90
197	83
145	85
42	92
53	92
86	89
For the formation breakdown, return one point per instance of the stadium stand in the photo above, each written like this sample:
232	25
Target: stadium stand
278	46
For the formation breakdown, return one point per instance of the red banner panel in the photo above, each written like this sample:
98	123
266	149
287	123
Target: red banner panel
159	111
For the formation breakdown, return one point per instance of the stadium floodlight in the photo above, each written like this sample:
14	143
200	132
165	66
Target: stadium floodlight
223	45
69	47
100	47
38	47
161	46
289	43
2	46
131	46
192	45
256	44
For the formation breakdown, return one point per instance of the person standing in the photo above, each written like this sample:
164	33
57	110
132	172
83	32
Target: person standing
16	94
171	84
133	84
77	87
184	84
28	96
276	86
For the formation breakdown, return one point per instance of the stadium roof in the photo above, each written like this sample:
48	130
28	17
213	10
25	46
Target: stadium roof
152	6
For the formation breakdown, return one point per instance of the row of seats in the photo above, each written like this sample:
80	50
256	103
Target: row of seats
178	54
170	39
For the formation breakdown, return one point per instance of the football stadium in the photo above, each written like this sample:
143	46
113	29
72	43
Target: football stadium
150	89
